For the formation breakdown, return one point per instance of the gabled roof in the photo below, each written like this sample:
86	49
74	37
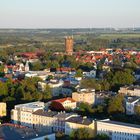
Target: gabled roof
63	100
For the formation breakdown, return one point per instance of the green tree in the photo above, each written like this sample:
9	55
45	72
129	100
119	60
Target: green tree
137	110
82	134
102	137
19	93
116	104
3	89
36	66
90	83
47	93
79	73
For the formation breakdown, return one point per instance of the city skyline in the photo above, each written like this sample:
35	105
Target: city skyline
69	14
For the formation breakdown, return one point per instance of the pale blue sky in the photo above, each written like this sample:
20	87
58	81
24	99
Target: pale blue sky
69	13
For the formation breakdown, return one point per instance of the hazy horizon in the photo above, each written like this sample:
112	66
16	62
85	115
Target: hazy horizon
68	14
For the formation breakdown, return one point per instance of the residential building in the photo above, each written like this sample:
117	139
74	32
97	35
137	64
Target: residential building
84	95
130	90
101	96
2	109
74	123
42	85
130	104
64	103
41	74
60	120
137	74
10	131
43	120
23	113
118	130
56	86
89	74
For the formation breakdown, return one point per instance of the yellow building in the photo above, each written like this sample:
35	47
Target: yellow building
23	113
84	95
74	123
130	90
2	109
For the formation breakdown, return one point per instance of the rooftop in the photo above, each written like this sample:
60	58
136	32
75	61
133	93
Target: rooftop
132	99
64	99
85	90
32	105
11	132
80	120
119	123
64	115
41	112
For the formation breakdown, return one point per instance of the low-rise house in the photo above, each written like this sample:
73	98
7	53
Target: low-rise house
137	74
74	123
42	85
101	96
65	70
90	73
41	74
63	104
56	86
130	90
130	104
3	109
118	130
84	95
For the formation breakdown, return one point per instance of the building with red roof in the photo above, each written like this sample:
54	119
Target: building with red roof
63	104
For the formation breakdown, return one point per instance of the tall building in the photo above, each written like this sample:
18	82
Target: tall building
69	45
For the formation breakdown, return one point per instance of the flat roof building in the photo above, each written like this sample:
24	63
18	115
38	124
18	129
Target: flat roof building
118	130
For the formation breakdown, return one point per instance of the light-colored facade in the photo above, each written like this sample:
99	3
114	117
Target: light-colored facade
60	120
2	109
118	131
84	95
130	105
43	120
23	113
67	103
33	115
41	74
90	74
130	90
56	87
42	85
78	122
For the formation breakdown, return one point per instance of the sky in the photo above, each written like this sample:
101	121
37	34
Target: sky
69	13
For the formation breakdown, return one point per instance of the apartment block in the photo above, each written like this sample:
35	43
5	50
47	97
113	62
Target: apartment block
23	113
118	130
84	95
